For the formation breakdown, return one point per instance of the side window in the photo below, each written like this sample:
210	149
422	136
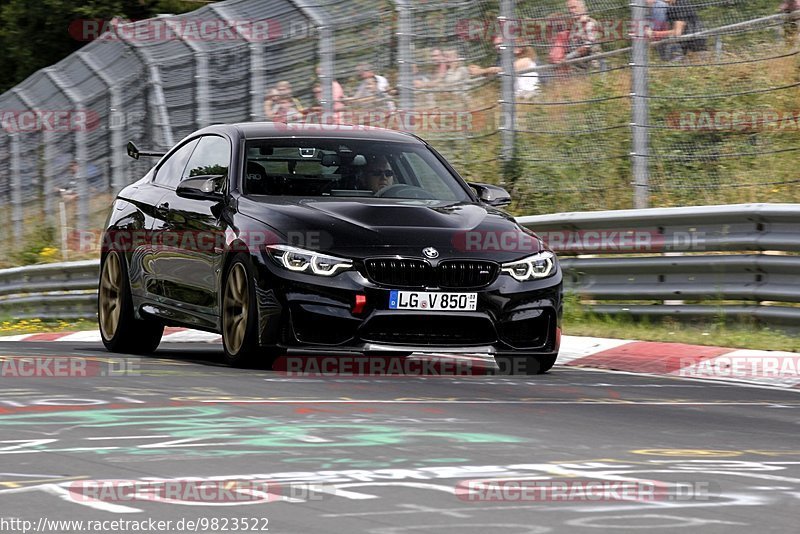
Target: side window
170	171
212	156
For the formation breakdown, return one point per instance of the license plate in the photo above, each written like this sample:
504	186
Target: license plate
424	300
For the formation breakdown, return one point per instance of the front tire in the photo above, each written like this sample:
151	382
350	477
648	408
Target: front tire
120	330
240	314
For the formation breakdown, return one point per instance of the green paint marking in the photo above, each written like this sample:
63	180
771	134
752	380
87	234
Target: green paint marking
243	435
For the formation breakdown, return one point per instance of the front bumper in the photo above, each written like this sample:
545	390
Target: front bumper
310	314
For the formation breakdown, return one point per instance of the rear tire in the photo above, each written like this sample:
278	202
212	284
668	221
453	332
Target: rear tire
120	330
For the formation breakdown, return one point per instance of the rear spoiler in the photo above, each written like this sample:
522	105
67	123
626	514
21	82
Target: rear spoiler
135	153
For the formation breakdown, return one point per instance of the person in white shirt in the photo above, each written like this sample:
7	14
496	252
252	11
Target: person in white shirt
365	72
526	84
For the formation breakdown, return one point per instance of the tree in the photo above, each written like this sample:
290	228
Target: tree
34	35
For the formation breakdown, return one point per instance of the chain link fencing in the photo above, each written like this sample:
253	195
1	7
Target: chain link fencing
570	109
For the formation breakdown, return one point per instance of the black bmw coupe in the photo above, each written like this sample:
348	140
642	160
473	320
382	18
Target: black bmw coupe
307	240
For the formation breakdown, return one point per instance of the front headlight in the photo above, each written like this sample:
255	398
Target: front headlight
300	260
539	265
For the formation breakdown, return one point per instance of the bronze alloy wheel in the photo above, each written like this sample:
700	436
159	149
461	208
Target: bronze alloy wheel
120	329
236	305
110	296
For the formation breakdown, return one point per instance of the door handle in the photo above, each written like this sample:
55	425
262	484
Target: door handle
163	207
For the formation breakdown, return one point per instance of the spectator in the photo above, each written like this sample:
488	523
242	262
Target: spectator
790	28
477	70
370	82
658	22
658	14
438	71
371	98
377	174
558	33
338	92
439	66
281	105
420	81
584	34
456	71
682	20
313	114
526	82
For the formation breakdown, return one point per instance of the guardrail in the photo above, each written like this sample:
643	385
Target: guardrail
675	262
50	291
658	259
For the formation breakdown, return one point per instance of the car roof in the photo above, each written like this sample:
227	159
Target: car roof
255	130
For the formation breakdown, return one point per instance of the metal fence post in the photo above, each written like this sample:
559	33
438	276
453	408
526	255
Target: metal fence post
202	95
257	65
405	55
117	121
258	89
639	106
47	178
81	153
47	142
16	187
508	120
82	177
327	65
157	102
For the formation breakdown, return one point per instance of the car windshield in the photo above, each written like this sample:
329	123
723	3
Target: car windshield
347	168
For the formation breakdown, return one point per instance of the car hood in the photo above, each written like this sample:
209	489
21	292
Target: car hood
371	227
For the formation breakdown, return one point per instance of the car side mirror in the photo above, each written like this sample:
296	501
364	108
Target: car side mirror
493	195
206	187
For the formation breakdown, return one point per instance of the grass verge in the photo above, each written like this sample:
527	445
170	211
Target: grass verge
579	321
13	327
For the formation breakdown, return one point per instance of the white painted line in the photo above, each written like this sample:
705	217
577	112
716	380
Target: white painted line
465	401
720	381
129	437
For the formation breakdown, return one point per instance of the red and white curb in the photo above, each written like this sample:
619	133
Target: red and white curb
763	367
171	335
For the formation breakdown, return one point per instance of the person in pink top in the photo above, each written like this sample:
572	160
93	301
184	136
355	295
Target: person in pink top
338	92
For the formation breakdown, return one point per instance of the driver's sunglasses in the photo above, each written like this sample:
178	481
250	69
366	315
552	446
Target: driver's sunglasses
387	173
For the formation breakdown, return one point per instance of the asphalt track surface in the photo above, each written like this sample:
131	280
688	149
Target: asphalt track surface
389	454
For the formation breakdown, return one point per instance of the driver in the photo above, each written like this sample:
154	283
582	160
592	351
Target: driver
377	174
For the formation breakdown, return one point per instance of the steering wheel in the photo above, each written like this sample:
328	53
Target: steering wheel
404	191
